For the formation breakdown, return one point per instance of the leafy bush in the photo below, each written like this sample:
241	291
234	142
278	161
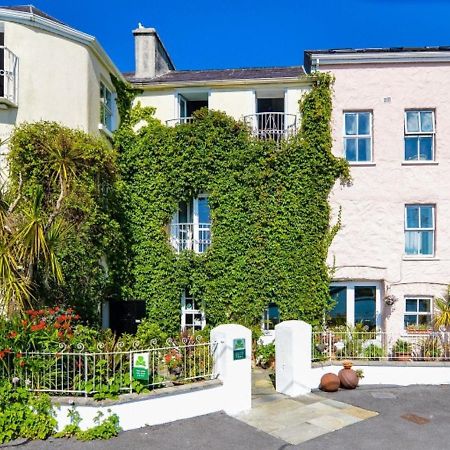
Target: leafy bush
373	351
265	354
106	429
23	414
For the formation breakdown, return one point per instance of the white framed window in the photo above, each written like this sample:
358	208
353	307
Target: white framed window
106	108
358	136
419	230
355	302
418	311
419	135
192	314
191	225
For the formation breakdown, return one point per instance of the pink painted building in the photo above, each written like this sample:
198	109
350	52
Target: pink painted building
391	121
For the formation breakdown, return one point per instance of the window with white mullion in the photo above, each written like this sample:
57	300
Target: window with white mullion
419	135
106	107
419	230
418	311
192	313
358	136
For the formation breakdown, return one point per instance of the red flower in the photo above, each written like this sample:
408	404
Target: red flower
60	334
19	355
168	358
22	363
24	323
57	325
12	334
39	326
2	354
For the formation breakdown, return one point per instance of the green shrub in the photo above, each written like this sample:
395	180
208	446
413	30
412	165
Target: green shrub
24	415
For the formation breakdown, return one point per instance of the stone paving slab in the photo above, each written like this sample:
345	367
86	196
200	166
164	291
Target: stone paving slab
297	420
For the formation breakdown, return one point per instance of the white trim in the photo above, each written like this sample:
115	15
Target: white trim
420	229
417	313
347	58
193	312
31	19
359	136
350	306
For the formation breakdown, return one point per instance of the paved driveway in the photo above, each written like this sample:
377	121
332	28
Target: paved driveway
416	417
410	418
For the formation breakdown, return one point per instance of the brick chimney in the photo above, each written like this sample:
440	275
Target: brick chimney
151	57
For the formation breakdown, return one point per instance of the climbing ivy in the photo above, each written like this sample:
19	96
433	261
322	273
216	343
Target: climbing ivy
269	208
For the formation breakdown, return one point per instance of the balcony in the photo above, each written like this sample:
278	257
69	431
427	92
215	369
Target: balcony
180	120
274	126
9	72
190	236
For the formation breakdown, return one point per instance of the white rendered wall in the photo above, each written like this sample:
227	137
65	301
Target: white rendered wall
152	411
394	375
233	395
370	244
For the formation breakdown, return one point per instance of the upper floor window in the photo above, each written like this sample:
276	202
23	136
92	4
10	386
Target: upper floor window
419	135
417	311
358	136
106	108
419	230
191	225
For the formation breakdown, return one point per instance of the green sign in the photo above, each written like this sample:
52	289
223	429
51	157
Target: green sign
140	366
238	349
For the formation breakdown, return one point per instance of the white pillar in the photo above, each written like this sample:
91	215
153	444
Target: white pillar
293	357
235	373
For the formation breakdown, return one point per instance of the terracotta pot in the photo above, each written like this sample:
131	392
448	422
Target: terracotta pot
402	357
347	364
329	382
348	378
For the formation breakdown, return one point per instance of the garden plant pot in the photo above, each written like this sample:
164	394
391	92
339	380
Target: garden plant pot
402	357
329	382
348	378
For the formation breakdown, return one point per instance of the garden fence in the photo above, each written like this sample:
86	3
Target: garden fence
376	345
109	373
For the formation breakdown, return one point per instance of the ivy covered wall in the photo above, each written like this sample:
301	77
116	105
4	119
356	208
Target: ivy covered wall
269	208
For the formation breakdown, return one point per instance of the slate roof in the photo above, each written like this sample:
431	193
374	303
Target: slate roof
182	76
32	10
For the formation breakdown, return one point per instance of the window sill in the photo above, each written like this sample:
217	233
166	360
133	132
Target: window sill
105	130
420	258
362	164
420	163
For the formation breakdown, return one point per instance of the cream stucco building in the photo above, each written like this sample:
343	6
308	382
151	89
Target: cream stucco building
50	71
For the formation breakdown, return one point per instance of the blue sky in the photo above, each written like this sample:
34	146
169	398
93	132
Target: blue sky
201	34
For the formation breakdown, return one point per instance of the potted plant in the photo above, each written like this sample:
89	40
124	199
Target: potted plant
402	350
174	362
430	348
418	329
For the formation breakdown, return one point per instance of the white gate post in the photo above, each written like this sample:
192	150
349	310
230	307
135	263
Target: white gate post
293	357
232	365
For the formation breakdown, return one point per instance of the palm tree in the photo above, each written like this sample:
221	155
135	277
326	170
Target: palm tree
441	320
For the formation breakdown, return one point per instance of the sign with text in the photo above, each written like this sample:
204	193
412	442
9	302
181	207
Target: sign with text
238	349
141	366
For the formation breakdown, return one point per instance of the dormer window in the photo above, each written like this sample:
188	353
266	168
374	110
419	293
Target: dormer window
191	226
